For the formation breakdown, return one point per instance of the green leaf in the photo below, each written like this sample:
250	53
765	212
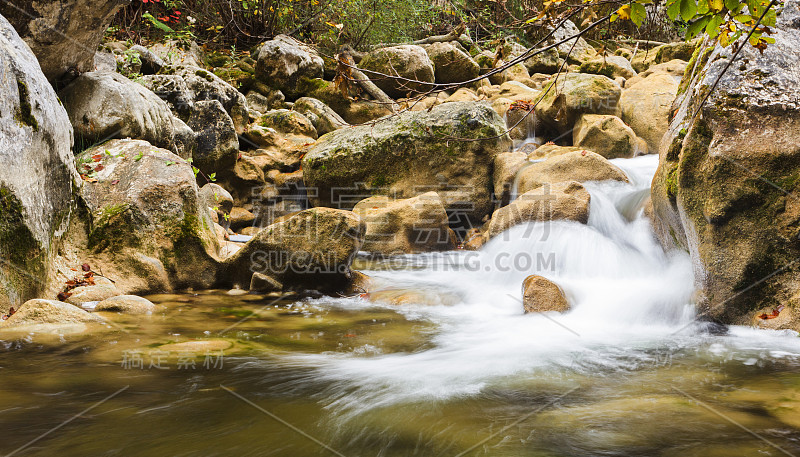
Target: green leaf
733	5
697	27
673	9
770	18
688	9
138	156
743	18
712	29
212	177
702	7
169	162
638	14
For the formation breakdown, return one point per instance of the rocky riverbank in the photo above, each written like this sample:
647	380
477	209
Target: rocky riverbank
168	168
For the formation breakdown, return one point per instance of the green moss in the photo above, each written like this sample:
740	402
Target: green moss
312	86
112	226
24	114
379	181
696	63
671	182
24	261
205	75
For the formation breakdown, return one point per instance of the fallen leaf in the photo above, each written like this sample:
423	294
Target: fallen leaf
115	182
86	267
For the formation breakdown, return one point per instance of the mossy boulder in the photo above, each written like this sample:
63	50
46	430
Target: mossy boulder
288	122
283	61
312	249
38	180
145	201
448	150
322	116
351	110
568	96
188	84
727	181
217	145
682	50
409	62
451	63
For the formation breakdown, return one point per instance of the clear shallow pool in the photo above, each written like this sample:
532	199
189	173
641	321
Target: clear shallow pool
457	369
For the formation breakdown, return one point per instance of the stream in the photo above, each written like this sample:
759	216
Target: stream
456	369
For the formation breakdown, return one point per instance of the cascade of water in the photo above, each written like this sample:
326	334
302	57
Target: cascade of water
628	300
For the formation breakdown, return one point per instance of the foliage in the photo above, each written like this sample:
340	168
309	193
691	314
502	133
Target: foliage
726	20
244	23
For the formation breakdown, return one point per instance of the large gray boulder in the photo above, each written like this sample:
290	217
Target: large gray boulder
448	150
36	137
63	34
451	63
409	62
105	105
199	85
144	201
727	183
217	142
283	61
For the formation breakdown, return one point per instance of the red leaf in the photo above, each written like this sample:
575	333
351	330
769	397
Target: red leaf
99	168
86	267
97	157
115	182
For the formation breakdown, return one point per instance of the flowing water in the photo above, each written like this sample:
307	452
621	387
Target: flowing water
455	369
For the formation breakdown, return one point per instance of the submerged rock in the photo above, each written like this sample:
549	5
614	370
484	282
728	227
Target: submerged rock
38	179
126	304
448	150
540	295
38	311
727	180
417	224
